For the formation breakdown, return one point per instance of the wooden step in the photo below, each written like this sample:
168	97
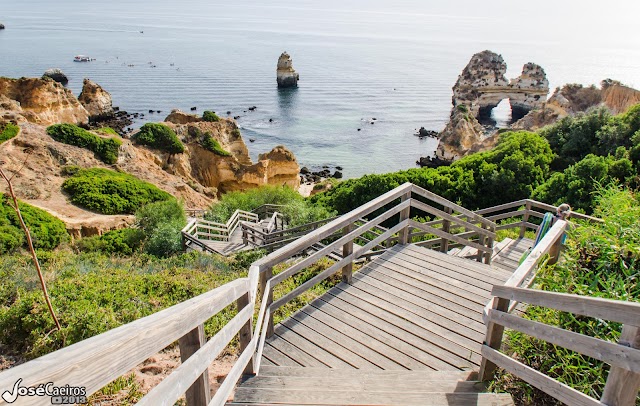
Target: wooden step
325	386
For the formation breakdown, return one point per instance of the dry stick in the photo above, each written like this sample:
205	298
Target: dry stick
33	251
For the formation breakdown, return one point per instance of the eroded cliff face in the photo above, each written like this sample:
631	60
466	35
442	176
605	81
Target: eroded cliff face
96	100
480	88
39	101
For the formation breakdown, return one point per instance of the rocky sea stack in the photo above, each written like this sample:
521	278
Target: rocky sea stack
57	75
96	100
285	74
1	26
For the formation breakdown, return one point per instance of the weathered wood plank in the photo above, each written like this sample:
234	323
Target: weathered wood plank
326	397
198	394
446	317
450	237
606	309
293	352
622	385
434	351
369	373
546	384
309	347
277	357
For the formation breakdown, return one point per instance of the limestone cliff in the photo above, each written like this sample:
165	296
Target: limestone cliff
96	100
40	101
481	86
286	76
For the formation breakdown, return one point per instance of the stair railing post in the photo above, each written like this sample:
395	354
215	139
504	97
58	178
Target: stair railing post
493	339
347	249
490	245
482	241
265	275
404	215
554	251
198	393
245	334
446	227
621	388
525	218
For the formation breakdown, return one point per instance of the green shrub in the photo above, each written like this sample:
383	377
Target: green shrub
151	216
109	192
159	136
213	145
47	231
106	149
600	260
107	131
165	240
122	242
8	131
210	116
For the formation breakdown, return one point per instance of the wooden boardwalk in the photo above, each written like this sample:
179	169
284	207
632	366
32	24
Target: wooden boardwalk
412	308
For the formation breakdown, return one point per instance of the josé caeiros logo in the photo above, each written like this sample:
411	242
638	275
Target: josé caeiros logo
60	395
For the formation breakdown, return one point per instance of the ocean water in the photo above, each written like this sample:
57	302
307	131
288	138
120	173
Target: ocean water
395	61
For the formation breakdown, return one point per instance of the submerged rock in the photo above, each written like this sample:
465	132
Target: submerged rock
57	75
286	76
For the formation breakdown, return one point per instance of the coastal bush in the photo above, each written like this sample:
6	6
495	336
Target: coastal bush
210	116
295	208
161	223
213	145
8	131
106	149
578	184
159	136
600	260
596	132
110	192
121	242
511	171
107	131
47	231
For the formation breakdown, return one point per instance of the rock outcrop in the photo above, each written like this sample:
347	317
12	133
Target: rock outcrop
286	76
480	88
57	75
180	117
1	26
40	101
96	100
572	99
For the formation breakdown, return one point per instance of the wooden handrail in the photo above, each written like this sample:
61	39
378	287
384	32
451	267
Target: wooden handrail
98	360
623	381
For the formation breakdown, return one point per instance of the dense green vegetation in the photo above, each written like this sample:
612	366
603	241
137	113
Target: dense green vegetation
600	260
47	231
159	136
295	208
210	116
110	192
213	145
106	149
8	131
511	171
107	131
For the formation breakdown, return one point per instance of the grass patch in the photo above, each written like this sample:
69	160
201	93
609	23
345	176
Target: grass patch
107	131
159	136
106	149
8	131
210	116
210	144
110	192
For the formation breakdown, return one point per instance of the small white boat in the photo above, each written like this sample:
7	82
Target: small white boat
82	58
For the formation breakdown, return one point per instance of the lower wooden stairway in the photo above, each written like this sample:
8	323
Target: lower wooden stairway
320	386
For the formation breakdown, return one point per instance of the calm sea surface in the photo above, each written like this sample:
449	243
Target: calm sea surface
395	61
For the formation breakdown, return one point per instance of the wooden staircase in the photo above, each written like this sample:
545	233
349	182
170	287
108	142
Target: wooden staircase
320	386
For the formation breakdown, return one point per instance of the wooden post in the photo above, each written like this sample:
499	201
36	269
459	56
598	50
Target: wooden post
482	241
554	251
198	393
347	249
525	218
494	340
184	241
264	277
245	334
622	386
446	227
404	215
245	238
490	245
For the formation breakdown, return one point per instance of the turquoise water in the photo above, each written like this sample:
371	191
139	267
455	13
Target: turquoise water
395	61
